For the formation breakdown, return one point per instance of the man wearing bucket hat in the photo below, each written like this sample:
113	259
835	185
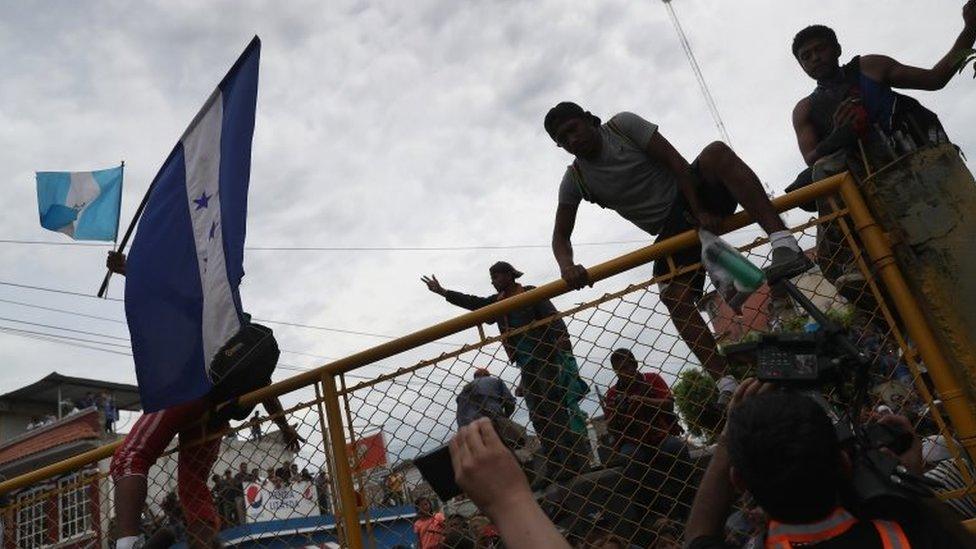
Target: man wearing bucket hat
626	165
550	375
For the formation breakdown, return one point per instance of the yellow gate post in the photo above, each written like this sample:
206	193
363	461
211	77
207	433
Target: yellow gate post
946	381
347	493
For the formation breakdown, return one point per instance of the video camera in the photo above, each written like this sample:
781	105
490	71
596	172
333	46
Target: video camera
811	362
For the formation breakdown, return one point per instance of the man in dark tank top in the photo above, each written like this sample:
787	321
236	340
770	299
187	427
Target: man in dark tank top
856	101
850	99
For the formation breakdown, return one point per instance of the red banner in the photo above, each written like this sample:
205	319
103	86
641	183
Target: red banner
368	452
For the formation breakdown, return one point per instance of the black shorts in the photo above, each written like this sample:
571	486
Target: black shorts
716	199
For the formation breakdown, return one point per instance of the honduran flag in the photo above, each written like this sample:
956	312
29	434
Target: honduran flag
186	263
82	205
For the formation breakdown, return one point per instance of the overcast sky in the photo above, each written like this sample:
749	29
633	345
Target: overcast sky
391	124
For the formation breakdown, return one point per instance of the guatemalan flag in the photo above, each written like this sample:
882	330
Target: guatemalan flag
187	260
82	205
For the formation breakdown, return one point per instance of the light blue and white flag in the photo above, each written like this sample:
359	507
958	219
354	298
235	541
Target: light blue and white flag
82	205
187	260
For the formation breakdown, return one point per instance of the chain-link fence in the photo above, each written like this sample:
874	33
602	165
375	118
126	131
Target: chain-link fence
612	407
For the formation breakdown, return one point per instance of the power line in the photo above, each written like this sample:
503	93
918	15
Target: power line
58	339
54	290
709	100
344	331
702	85
427	248
323	357
348	248
72	330
81	343
64	311
60	336
44	336
51	243
96	317
265	320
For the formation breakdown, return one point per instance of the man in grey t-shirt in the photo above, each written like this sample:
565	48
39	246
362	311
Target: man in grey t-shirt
626	165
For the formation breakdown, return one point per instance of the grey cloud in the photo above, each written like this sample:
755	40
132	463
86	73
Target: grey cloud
393	123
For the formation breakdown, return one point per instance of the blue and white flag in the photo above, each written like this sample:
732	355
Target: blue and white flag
187	260
82	205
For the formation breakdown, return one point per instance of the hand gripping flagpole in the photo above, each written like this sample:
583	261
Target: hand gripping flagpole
128	232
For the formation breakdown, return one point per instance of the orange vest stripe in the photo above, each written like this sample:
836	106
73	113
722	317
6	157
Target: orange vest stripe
892	536
783	535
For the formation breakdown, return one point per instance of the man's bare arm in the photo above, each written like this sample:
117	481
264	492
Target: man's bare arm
889	71
715	496
487	472
806	132
562	246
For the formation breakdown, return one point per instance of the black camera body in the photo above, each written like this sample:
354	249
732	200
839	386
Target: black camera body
811	362
791	359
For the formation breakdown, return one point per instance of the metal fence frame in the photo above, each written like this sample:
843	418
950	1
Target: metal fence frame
329	382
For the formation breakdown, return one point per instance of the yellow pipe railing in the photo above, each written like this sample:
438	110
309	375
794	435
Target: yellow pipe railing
337	438
463	322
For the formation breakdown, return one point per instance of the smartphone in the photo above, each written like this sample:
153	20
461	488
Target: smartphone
437	470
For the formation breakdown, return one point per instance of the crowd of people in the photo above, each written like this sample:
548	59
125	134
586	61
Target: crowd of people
104	402
435	530
227	489
778	446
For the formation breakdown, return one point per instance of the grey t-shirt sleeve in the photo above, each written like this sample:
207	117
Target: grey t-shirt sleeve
635	127
569	192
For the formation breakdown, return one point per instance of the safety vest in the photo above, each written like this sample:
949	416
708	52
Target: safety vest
786	536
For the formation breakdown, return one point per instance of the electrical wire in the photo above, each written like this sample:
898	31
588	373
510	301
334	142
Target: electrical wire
344	331
62	328
80	342
54	290
348	248
63	311
61	336
265	320
702	84
57	339
690	54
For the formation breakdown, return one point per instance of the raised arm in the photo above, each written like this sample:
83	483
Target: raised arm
562	246
469	302
844	135
889	71
806	132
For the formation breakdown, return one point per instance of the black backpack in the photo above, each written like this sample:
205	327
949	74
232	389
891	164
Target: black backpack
242	365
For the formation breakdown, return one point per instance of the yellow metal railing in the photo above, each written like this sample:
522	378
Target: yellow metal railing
419	396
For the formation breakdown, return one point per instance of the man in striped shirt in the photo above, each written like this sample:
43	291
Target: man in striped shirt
948	472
